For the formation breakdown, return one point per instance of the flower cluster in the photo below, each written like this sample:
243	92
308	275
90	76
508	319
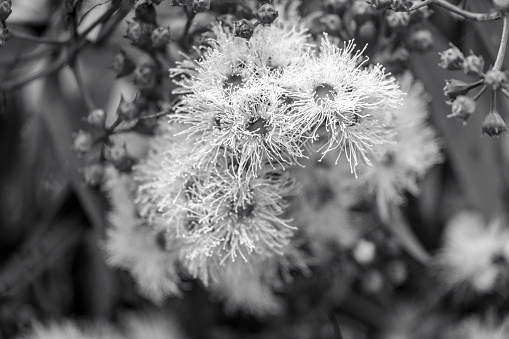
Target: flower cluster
463	106
211	197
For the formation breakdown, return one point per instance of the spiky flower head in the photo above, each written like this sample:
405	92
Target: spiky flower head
336	92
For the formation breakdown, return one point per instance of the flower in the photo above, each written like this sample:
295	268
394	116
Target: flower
352	103
133	245
228	220
234	108
154	325
398	166
321	210
69	329
476	327
250	288
471	254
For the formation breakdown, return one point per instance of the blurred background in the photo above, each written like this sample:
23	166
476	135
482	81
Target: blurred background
52	223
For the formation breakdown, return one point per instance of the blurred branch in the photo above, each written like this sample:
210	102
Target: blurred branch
461	12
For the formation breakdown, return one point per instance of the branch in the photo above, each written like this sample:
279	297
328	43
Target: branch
503	46
37	39
472	16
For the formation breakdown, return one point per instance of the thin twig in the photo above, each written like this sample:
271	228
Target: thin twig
472	16
503	45
63	60
41	40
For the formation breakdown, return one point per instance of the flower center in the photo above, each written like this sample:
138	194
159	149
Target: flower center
258	126
324	91
233	82
244	211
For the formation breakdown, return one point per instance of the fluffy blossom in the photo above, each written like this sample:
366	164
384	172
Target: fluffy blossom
133	245
352	102
69	329
474	255
397	166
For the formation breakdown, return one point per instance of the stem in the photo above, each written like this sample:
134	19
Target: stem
461	12
475	97
503	45
40	40
422	4
155	115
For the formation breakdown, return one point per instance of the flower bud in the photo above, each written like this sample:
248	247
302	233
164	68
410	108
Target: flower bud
227	20
362	11
372	281
495	79
367	31
335	6
473	65
451	59
397	272
397	20
244	29
160	37
145	76
5	9
144	11
127	110
97	118
122	64
380	5
462	107
199	6
502	5
364	252
454	88
420	40
266	14
401	5
83	142
328	23
93	174
4	36
493	124
139	33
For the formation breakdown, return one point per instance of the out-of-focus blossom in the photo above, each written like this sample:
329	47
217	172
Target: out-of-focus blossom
476	327
69	329
398	166
134	245
473	256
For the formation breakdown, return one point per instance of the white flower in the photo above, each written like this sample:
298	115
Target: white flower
70	330
471	254
133	245
398	166
229	219
481	328
151	325
352	102
321	209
